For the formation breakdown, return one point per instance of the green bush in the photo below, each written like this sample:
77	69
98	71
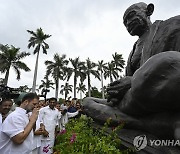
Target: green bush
80	138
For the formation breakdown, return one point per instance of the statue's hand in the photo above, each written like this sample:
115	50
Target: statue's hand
117	89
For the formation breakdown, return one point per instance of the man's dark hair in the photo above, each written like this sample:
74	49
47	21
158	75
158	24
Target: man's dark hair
52	98
4	100
30	97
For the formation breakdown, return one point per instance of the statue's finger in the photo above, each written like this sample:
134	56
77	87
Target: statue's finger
115	82
114	100
112	92
116	87
108	99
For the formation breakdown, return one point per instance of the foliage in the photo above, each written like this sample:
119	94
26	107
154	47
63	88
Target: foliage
11	56
79	137
118	61
77	69
101	66
90	70
38	39
81	88
61	100
46	83
66	89
95	93
24	88
57	69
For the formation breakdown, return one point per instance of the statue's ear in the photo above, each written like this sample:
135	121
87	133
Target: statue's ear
150	9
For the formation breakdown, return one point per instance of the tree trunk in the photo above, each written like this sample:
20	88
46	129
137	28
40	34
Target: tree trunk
81	95
89	86
65	95
35	74
111	79
75	85
6	76
57	88
102	85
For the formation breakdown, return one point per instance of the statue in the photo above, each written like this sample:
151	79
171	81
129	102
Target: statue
147	98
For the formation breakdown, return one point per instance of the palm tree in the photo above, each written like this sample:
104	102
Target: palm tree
81	88
45	86
105	91
67	88
88	71
46	83
57	69
11	57
118	60
101	67
24	88
78	71
37	41
36	89
111	72
1	81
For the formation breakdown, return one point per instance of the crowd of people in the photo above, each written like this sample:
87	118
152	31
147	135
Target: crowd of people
32	126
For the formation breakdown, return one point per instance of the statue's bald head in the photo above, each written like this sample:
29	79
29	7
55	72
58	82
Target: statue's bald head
137	18
140	6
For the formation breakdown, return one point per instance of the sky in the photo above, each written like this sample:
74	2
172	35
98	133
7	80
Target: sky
79	28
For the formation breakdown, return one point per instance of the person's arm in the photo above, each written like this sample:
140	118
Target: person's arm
56	130
19	138
41	118
39	131
57	122
70	115
45	132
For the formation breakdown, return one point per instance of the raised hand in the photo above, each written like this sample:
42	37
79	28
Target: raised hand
34	115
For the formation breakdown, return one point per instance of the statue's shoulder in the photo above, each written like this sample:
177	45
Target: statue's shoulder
168	22
174	18
173	22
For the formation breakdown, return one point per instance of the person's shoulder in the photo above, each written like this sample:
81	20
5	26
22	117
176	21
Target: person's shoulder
14	117
56	110
43	108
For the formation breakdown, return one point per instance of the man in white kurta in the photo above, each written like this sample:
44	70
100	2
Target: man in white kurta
50	117
17	134
0	122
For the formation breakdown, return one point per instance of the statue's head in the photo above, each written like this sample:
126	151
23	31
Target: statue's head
137	18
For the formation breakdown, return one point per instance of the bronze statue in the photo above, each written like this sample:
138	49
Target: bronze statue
148	98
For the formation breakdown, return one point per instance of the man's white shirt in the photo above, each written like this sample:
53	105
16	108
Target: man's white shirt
0	122
50	118
14	124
